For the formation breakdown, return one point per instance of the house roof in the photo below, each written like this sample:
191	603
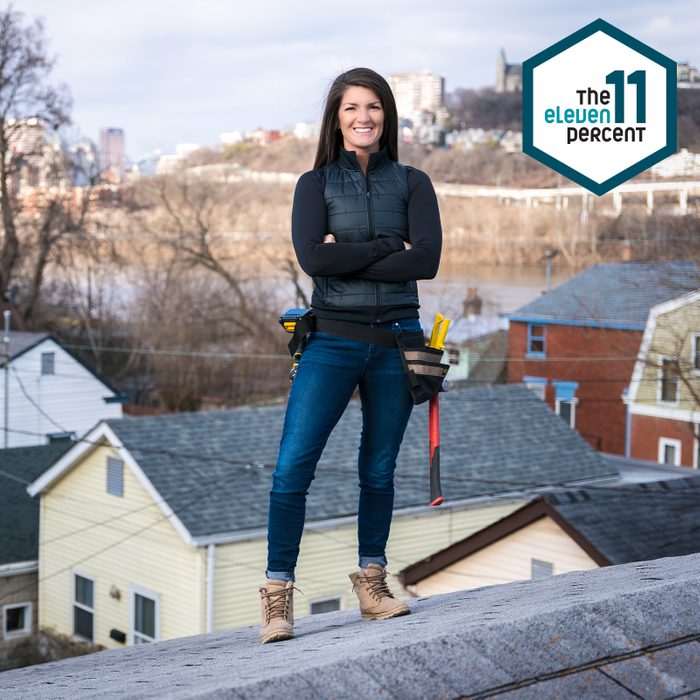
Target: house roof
613	295
613	525
636	522
214	469
637	471
491	367
625	631
19	513
21	341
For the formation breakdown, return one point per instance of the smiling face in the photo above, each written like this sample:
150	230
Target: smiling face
361	120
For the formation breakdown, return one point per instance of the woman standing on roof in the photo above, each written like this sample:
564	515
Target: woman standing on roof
365	228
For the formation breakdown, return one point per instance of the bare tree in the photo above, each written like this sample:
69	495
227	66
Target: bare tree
191	352
26	100
189	216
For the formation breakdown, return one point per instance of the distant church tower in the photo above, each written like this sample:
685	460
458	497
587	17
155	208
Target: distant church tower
501	72
509	76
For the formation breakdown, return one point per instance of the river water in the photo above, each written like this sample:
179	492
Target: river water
502	289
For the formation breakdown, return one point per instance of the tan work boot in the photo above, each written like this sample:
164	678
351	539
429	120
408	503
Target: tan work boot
376	600
277	605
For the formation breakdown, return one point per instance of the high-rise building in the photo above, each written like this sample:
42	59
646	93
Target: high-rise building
416	93
112	153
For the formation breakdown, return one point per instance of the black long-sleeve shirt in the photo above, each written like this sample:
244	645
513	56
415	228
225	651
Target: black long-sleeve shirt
383	259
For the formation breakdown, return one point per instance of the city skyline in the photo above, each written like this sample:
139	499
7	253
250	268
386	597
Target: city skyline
174	73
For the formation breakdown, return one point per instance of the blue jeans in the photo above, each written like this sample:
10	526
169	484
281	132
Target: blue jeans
330	369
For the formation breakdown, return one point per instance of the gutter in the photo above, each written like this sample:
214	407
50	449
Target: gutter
18	568
409	511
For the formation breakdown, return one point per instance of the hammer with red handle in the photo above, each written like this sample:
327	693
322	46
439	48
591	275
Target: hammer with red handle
437	341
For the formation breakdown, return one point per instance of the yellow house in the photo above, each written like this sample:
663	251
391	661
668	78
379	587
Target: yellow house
564	531
664	395
154	527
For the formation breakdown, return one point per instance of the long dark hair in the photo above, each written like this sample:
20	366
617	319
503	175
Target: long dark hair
330	140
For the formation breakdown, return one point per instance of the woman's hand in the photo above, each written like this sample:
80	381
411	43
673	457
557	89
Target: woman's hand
330	238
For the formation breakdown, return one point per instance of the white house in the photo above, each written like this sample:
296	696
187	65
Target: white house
51	393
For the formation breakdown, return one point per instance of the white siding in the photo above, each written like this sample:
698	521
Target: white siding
72	397
510	559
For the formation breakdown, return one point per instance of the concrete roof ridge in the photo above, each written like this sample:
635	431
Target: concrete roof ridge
638	622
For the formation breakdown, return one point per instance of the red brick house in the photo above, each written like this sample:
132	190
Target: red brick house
576	346
664	395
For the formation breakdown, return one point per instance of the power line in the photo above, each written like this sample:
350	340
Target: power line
274	356
519	484
247	464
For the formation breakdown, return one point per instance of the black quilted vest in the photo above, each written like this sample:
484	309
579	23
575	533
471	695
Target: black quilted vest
362	207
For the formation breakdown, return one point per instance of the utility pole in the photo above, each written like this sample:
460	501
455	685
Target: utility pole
549	254
6	365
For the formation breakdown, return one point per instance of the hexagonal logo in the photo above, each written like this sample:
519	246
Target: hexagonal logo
599	107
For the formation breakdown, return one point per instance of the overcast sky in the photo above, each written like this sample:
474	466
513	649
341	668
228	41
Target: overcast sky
174	71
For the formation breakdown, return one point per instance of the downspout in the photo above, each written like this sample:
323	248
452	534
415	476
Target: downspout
628	423
211	563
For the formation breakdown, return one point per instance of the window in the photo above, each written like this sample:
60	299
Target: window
324	605
115	476
538	385
670	451
535	340
567	410
541	569
16	620
669	383
565	400
84	608
145	618
695	352
48	360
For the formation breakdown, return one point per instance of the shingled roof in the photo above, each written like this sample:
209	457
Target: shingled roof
628	631
637	521
21	341
614	295
612	524
214	469
19	513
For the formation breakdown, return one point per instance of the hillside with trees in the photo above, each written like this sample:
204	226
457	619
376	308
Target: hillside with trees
488	109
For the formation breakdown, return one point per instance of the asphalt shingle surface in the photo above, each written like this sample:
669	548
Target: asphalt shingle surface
615	293
19	513
491	367
22	340
636	521
215	469
617	632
